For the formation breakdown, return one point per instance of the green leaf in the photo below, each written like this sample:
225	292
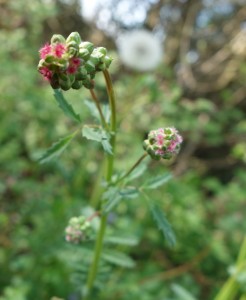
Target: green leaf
118	258
182	293
65	106
161	221
157	181
57	148
114	195
163	224
122	240
112	198
98	134
129	192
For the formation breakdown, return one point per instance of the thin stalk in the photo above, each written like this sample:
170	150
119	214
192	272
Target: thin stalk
133	167
97	255
111	97
109	172
94	98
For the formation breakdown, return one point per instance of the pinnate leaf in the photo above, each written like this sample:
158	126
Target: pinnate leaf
113	196
122	240
161	220
65	106
118	258
98	134
57	148
157	181
163	224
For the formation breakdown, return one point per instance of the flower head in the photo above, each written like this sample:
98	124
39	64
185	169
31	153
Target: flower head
71	63
163	143
140	50
78	230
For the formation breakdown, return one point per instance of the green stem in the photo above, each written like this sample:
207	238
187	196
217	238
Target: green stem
109	172
133	167
111	97
231	287
94	97
97	254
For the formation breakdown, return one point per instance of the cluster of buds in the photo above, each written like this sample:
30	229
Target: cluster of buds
78	230
163	143
71	63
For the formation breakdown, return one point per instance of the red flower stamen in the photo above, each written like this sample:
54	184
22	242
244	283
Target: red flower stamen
59	50
45	50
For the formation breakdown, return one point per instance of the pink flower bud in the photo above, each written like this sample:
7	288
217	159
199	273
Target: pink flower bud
163	143
45	50
59	50
46	73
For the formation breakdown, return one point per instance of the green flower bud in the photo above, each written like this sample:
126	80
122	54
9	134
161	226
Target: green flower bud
87	45
90	67
57	38
74	37
88	83
81	73
65	85
77	85
100	52
49	59
54	82
63	76
84	54
94	59
61	63
72	49
101	66
107	61
71	78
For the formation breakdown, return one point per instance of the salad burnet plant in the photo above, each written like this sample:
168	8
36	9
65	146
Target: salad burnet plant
72	63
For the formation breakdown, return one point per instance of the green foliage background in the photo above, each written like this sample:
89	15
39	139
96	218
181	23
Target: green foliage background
205	202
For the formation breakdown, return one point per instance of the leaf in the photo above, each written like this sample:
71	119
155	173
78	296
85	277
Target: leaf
163	224
182	293
98	134
129	193
118	258
161	221
114	195
157	181
57	148
112	198
122	240
65	106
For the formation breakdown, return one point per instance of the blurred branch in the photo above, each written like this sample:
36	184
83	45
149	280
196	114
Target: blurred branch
175	272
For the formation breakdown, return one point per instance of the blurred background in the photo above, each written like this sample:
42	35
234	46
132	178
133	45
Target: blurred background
176	63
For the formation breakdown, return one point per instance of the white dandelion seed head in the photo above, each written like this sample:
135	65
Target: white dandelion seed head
140	50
